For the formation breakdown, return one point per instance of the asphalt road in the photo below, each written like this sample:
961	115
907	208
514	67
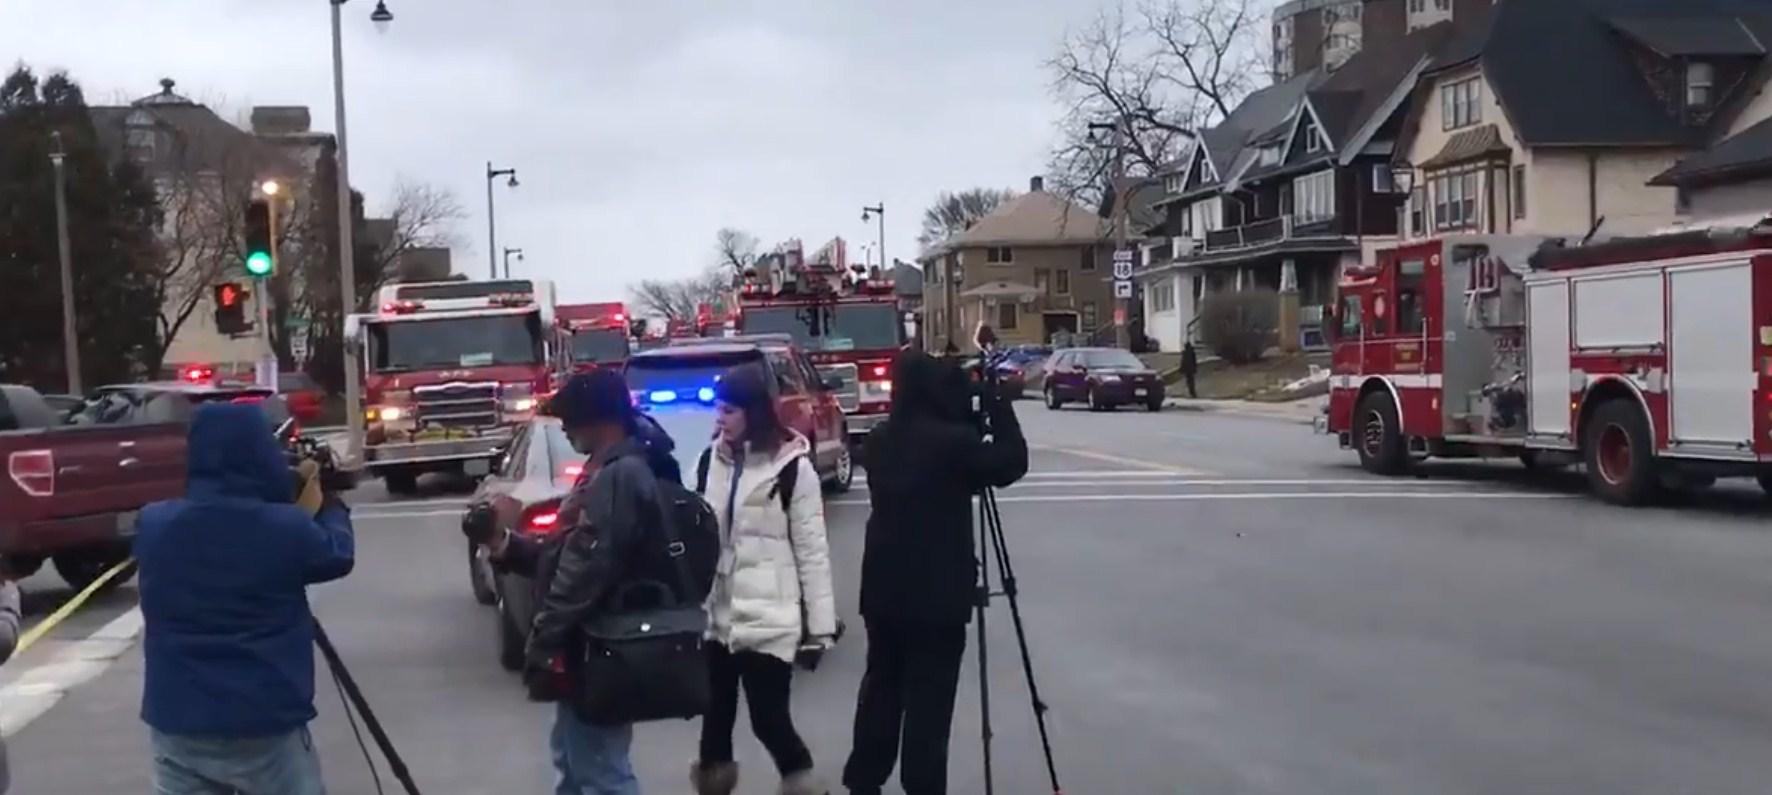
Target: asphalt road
1215	605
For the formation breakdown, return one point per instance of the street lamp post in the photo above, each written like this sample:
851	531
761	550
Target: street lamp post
347	283
877	211
70	342
1122	306
508	253
491	219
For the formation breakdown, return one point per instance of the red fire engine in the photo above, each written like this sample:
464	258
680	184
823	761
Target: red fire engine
596	334
1647	359
449	369
845	317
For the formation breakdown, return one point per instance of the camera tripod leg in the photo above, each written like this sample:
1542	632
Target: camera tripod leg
1006	572
984	668
361	704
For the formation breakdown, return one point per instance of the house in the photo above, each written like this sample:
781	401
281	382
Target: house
1308	34
1509	135
205	170
1293	185
1730	180
1031	269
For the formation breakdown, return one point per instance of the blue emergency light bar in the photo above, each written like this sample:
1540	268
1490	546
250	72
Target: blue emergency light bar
666	396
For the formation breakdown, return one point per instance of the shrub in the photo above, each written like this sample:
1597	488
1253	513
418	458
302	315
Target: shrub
1239	326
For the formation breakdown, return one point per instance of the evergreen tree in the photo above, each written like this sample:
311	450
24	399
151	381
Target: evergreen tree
112	215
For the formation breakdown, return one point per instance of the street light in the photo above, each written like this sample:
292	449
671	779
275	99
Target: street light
269	187
347	283
491	219
508	253
70	343
877	211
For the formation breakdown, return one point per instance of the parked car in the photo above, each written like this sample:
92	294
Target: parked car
74	483
305	398
522	494
1103	378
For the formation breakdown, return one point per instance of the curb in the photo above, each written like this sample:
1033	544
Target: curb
1237	411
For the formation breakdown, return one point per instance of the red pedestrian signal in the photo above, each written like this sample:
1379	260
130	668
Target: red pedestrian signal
230	308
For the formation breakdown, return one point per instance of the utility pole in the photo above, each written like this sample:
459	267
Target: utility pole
70	340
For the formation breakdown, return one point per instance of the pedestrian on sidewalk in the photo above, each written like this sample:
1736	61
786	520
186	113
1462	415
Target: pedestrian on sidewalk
9	619
607	519
229	642
772	600
919	575
1190	367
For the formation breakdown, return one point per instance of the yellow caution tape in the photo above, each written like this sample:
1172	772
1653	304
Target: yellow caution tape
43	627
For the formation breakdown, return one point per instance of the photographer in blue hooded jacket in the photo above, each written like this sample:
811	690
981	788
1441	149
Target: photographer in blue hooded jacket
229	641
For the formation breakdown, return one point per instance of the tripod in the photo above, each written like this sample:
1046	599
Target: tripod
993	546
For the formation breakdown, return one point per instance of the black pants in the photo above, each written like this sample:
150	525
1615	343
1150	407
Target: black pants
766	682
907	700
1190	385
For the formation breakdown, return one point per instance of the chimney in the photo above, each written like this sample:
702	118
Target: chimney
1036	184
280	120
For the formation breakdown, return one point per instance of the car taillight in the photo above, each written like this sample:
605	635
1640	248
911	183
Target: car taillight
571	472
541	519
33	471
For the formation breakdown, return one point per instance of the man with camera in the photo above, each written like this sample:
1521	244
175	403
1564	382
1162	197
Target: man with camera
919	570
229	641
608	520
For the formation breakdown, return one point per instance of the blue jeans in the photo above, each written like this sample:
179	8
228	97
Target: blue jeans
591	759
282	764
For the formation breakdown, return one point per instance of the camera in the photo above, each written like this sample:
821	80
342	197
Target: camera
299	448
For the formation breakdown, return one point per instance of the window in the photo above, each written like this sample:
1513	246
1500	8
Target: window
1460	104
1208	215
1173	183
1417	6
1313	140
1270	155
1064	281
1008	315
1350	317
1682	201
1089	315
1410	318
1382	181
1418	212
999	255
1163	297
788	378
1519	180
1443	5
1187	221
1700	79
1455	201
1086	259
1313	197
1043	281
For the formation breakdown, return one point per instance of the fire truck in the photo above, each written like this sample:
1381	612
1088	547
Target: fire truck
449	369
1648	359
845	317
596	334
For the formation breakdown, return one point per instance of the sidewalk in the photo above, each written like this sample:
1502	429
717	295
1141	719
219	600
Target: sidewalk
1303	412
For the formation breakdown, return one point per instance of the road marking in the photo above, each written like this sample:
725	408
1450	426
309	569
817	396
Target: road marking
1298	495
1167	480
40	687
1118	459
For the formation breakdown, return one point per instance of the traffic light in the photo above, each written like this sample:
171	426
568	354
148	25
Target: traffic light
261	258
230	308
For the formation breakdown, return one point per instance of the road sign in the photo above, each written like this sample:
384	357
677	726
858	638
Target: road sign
1123	255
1119	316
1122	269
1122	289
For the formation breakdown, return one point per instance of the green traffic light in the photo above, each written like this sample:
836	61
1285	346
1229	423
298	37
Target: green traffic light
259	264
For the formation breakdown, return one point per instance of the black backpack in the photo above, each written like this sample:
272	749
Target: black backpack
784	482
648	663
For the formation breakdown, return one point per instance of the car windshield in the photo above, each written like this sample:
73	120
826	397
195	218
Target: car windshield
847	327
1111	360
455	342
599	345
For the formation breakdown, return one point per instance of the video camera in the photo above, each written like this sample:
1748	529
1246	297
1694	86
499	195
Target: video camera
299	448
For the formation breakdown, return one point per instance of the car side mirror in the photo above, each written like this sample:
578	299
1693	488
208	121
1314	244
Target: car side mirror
832	383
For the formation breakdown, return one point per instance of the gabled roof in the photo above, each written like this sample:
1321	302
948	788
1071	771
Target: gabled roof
1745	154
1034	218
1467	145
1581	87
1264	111
205	141
1143	194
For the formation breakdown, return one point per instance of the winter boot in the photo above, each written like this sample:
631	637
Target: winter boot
804	782
719	778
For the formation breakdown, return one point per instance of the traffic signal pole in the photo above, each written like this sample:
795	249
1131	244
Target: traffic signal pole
266	374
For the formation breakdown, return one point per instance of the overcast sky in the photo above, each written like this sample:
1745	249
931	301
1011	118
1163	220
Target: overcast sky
637	128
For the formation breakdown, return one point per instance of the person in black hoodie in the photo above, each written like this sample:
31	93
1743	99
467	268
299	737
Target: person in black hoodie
609	515
919	571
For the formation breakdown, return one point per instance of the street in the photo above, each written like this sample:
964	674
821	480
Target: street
1215	604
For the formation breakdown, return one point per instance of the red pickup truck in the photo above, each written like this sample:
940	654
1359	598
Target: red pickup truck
74	482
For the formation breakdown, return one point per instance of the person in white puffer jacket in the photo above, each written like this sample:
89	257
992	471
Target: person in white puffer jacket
772	592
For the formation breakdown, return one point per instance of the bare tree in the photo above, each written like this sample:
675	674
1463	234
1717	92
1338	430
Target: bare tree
737	249
953	213
1153	81
680	299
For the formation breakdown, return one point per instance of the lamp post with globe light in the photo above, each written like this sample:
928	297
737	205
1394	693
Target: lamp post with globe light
491	219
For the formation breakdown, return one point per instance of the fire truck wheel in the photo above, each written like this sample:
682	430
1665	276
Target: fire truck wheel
1619	453
401	483
1379	436
1765	479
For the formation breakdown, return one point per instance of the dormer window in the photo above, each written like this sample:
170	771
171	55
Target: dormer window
1270	155
1173	183
1700	84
